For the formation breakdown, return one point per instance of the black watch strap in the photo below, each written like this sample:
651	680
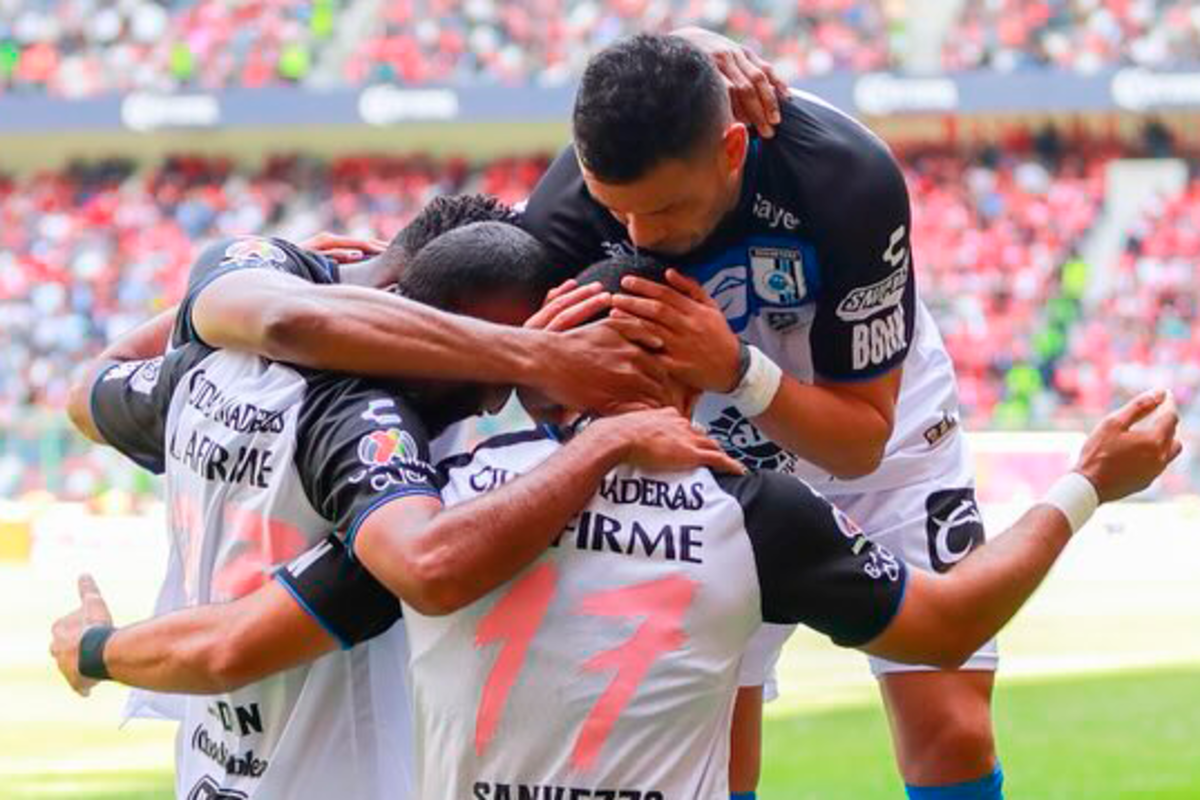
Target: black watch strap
91	652
743	363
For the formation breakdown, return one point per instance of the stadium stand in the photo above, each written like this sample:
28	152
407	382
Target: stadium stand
1083	35
88	251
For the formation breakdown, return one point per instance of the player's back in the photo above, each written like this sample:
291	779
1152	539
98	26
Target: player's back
608	668
262	462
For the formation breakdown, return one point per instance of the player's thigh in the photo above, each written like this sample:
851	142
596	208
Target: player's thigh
941	724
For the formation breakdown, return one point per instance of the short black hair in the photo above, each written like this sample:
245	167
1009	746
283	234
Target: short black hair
478	259
643	100
442	214
609	272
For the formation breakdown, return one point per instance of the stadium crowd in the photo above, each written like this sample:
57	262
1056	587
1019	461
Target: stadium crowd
80	48
87	252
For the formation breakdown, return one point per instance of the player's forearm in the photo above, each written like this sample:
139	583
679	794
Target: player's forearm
983	592
840	433
364	331
468	550
145	341
189	651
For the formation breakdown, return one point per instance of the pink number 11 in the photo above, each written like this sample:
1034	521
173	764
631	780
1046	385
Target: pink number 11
516	617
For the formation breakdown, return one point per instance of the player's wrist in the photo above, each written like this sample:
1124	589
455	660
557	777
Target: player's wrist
92	644
609	441
758	385
1075	496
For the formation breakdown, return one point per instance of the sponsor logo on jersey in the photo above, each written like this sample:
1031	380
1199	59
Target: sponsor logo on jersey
867	301
382	412
122	371
882	564
211	401
781	321
254	252
738	437
146	378
245	765
778	275
601	533
391	458
653	494
874	343
776	216
850	530
614	249
728	288
939	430
207	789
954	526
382	448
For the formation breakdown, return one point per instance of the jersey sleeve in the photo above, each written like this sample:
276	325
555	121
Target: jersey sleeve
563	217
815	566
130	401
339	592
865	316
359	446
246	252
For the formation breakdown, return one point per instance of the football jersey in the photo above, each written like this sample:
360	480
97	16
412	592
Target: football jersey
608	668
814	266
262	462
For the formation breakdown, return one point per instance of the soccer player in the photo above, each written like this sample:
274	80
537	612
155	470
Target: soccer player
795	309
608	667
263	460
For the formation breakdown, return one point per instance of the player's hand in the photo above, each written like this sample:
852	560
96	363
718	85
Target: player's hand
1122	457
754	88
344	249
569	305
67	632
697	345
596	368
663	440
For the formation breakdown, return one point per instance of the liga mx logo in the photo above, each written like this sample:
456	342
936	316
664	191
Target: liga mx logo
738	437
954	526
381	448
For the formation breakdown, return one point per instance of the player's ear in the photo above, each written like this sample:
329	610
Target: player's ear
734	143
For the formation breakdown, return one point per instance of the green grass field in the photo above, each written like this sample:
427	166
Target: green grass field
1098	699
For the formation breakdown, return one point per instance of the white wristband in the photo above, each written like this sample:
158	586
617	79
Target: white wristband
758	386
1075	496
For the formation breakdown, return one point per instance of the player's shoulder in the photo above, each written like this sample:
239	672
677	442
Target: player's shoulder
564	216
769	498
334	399
830	156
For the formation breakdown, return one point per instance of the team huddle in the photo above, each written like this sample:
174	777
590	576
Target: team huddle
742	419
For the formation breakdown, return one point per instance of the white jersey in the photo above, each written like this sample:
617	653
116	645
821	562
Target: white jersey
262	462
608	668
926	443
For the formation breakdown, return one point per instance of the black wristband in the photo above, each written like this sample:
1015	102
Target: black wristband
743	363
91	652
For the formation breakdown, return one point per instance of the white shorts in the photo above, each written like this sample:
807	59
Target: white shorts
932	526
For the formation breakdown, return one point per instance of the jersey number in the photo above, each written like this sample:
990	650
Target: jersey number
517	616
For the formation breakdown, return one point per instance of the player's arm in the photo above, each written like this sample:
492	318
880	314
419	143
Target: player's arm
440	559
221	647
142	342
945	618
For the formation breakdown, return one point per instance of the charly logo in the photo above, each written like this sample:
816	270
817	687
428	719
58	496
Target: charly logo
738	437
954	526
728	289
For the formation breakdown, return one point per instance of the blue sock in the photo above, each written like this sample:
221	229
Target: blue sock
990	787
742	796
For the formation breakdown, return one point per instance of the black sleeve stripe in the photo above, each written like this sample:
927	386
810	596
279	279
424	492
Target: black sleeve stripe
339	593
814	567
